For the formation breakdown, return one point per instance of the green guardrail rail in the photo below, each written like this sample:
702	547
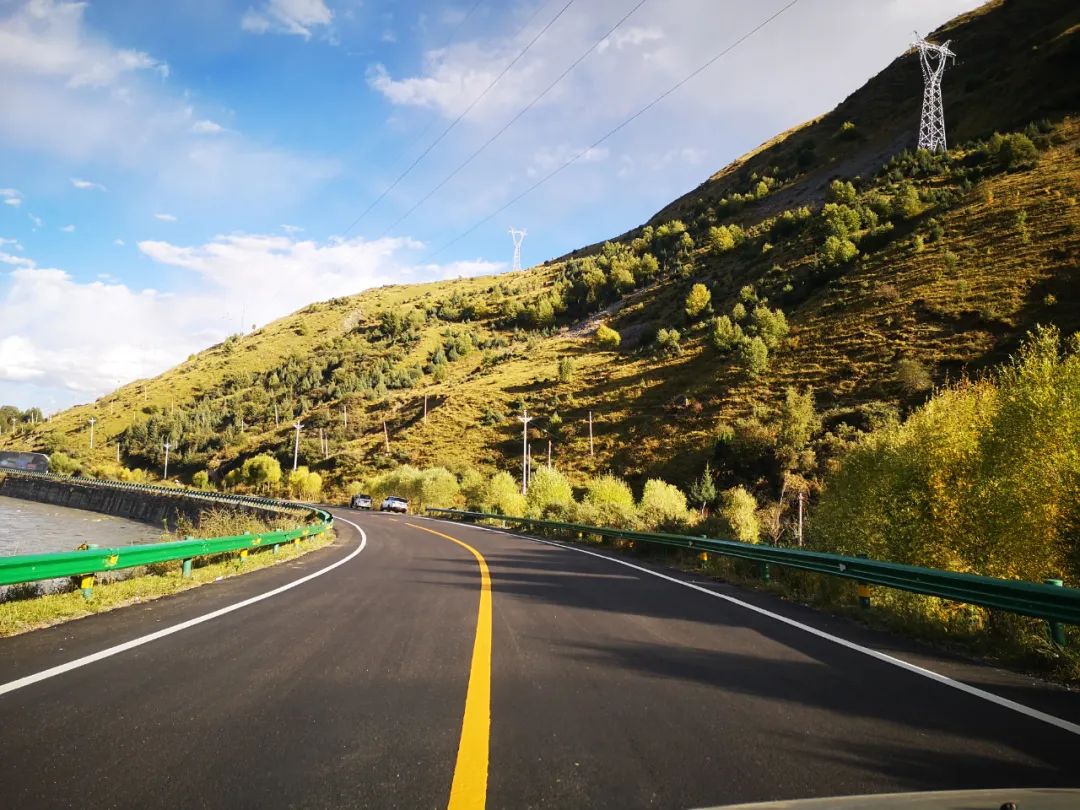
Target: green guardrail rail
84	564
1049	601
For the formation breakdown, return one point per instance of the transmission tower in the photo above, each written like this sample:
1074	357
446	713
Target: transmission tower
518	237
932	125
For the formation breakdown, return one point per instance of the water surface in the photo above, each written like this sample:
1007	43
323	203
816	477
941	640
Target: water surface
29	527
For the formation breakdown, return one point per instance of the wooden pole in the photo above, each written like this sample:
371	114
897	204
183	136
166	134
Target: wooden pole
386	436
425	408
590	434
549	454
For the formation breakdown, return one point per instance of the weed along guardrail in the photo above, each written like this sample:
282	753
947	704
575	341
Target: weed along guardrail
1050	601
84	564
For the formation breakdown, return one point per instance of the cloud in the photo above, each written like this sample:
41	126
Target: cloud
119	242
37	221
632	36
287	17
68	229
11	196
87	184
292	229
207	127
165	217
262	276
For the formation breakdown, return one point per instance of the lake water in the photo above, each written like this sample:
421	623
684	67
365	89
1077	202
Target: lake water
28	527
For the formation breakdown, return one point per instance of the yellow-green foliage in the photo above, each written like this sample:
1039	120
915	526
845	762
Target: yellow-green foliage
504	495
984	478
607	337
739	509
438	488
697	300
608	501
549	493
663	504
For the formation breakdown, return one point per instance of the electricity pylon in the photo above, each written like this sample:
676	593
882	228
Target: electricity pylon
932	126
518	237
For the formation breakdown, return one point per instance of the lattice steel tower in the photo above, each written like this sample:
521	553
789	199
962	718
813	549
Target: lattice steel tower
932	125
518	237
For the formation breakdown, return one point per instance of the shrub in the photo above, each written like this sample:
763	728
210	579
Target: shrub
725	335
62	464
1016	151
262	472
566	370
662	504
474	490
667	341
913	376
906	203
837	251
201	480
438	487
549	493
697	301
607	337
504	495
841	191
304	484
798	421
608	501
847	131
739	510
725	237
770	325
754	356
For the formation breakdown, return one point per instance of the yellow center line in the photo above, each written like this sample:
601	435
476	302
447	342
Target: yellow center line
469	788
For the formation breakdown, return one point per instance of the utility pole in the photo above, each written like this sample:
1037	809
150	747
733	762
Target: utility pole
590	434
296	445
549	454
529	476
800	519
92	420
345	417
276	422
386	436
165	473
425	408
525	419
118	452
932	124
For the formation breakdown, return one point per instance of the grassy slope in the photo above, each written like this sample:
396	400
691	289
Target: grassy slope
1017	64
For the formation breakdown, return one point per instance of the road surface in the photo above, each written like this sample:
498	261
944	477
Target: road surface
594	684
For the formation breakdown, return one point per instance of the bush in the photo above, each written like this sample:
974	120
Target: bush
608	501
739	510
697	301
667	341
725	335
607	337
1014	151
841	191
663	505
913	376
438	487
304	484
474	490
725	237
63	464
549	494
201	480
261	472
770	325
504	495
566	370
754	356
837	251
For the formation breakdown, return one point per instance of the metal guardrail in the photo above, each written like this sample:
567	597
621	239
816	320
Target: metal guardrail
1042	601
85	563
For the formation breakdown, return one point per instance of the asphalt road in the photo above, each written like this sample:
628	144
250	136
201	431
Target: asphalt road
609	687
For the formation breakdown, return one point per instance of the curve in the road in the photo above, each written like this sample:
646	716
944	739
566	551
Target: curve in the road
60	669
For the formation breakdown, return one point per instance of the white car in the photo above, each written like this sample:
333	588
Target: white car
360	502
395	504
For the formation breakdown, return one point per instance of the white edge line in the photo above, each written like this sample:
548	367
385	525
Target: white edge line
1020	708
60	669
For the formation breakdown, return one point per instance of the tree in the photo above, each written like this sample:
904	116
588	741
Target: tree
474	490
770	325
697	301
438	487
723	238
262	472
703	490
662	504
201	480
566	369
739	510
549	493
841	191
504	495
913	376
608	501
607	337
754	356
725	335
667	341
1016	151
837	251
798	423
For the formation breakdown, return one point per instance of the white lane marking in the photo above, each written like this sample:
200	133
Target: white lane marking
1065	725
60	669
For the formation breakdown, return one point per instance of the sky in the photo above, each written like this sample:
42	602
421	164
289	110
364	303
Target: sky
172	173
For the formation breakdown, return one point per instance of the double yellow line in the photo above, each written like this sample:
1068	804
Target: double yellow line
469	788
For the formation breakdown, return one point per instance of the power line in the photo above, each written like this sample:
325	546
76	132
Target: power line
513	120
611	132
457	120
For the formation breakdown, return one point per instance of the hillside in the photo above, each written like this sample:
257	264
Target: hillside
891	271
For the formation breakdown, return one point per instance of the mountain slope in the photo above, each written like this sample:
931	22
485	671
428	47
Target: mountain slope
924	266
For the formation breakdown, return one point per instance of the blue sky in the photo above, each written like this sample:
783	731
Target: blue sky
170	172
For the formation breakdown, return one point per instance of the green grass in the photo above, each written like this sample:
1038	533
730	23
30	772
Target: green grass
25	614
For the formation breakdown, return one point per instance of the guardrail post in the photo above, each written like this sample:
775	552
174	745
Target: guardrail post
1056	629
243	555
277	547
86	585
766	575
863	589
186	569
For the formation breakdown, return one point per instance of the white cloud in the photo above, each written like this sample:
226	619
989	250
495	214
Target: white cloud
119	242
165	217
11	196
547	158
635	35
87	184
207	127
68	229
292	229
263	276
287	17
37	221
